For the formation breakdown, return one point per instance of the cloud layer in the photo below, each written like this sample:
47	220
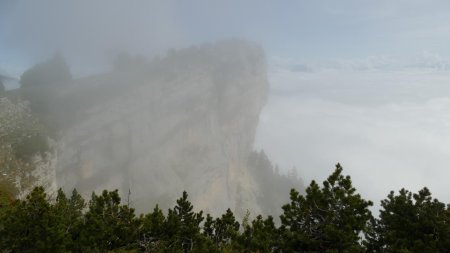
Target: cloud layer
388	128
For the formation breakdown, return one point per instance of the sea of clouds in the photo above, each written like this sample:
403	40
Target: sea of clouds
386	121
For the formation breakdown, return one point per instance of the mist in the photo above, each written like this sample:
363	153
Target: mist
362	83
388	127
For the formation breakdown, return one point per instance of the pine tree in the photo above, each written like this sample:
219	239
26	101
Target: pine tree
226	229
260	236
221	231
411	223
108	225
185	225
69	214
153	232
208	227
30	226
327	219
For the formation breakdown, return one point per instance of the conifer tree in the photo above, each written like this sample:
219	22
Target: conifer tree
108	225
208	226
327	219
260	236
183	227
411	223
69	214
222	231
30	226
153	231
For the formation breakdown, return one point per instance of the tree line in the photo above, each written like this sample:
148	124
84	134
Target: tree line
331	217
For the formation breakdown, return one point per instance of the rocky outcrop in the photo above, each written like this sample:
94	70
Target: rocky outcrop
184	122
27	156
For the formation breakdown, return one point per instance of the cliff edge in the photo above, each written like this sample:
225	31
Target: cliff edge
183	122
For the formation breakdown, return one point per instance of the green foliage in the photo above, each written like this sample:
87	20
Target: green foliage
6	196
226	229
331	218
152	231
411	223
40	86
69	212
31	226
183	226
107	224
54	70
261	236
222	231
274	187
327	219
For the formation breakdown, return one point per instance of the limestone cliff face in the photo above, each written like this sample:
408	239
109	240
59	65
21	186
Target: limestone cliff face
42	174
27	156
185	122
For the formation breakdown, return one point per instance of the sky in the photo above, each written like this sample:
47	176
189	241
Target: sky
364	83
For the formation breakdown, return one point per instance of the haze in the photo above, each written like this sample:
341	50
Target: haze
363	83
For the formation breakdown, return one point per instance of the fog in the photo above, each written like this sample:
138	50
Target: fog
389	128
363	83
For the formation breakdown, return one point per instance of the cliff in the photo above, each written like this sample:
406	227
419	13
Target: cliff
27	155
183	122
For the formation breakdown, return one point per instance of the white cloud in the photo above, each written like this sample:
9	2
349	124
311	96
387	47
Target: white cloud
424	61
389	129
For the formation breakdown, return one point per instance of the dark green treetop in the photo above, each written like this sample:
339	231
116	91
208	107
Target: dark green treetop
411	223
327	219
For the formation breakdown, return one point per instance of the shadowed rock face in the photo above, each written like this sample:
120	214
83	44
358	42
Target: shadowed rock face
185	122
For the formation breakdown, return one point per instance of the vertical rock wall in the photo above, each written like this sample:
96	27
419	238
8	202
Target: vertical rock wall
185	122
